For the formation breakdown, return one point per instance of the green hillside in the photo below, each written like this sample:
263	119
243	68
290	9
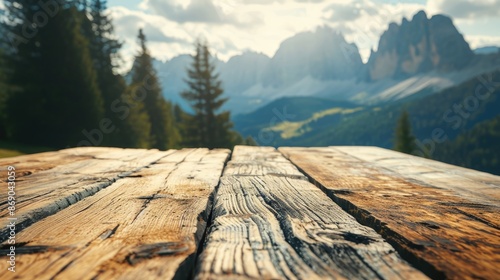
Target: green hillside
289	130
286	110
450	113
478	148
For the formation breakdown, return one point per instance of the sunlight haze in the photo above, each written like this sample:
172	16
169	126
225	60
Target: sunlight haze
232	27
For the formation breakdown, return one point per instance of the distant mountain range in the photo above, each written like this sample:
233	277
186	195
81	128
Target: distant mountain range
453	114
316	91
418	57
419	46
487	50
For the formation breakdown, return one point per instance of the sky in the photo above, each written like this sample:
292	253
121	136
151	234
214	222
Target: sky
235	26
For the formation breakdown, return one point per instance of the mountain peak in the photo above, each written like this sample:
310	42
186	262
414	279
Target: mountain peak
418	46
322	54
442	19
420	16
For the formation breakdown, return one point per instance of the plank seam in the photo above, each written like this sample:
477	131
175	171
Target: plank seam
64	202
366	219
210	218
289	238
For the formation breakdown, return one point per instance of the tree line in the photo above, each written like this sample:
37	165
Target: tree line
59	86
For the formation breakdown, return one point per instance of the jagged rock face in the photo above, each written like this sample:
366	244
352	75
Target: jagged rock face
243	71
418	46
323	55
453	50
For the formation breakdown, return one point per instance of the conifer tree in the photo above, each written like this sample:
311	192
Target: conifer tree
136	130
163	134
55	95
3	97
206	127
103	47
404	141
249	141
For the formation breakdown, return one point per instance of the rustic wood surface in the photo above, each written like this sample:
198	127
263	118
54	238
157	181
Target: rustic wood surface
444	219
254	161
273	225
53	181
145	225
479	186
258	213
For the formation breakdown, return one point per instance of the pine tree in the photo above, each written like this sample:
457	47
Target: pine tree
99	30
137	129
404	141
3	97
206	127
55	95
249	141
163	134
178	114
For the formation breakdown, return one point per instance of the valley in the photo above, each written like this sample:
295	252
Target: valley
317	91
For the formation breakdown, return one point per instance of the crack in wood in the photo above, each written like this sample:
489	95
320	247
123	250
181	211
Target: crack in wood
430	224
148	199
41	213
149	251
108	233
399	242
23	248
476	218
135	175
279	208
152	197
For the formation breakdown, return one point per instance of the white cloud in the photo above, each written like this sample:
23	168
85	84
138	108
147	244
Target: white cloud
369	20
471	9
478	41
231	27
477	20
259	29
166	39
193	11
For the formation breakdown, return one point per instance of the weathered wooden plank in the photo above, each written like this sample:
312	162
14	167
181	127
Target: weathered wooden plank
27	165
439	231
146	225
45	192
257	154
278	227
475	185
254	161
480	189
93	151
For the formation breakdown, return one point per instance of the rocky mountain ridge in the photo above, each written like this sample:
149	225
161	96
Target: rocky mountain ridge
418	56
419	46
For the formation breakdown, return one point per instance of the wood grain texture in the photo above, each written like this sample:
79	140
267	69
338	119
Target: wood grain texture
252	161
275	226
59	179
478	186
444	229
27	165
145	225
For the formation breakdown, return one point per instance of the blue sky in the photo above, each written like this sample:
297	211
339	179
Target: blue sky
130	4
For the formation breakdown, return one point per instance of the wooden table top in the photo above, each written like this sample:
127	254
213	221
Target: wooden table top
254	213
